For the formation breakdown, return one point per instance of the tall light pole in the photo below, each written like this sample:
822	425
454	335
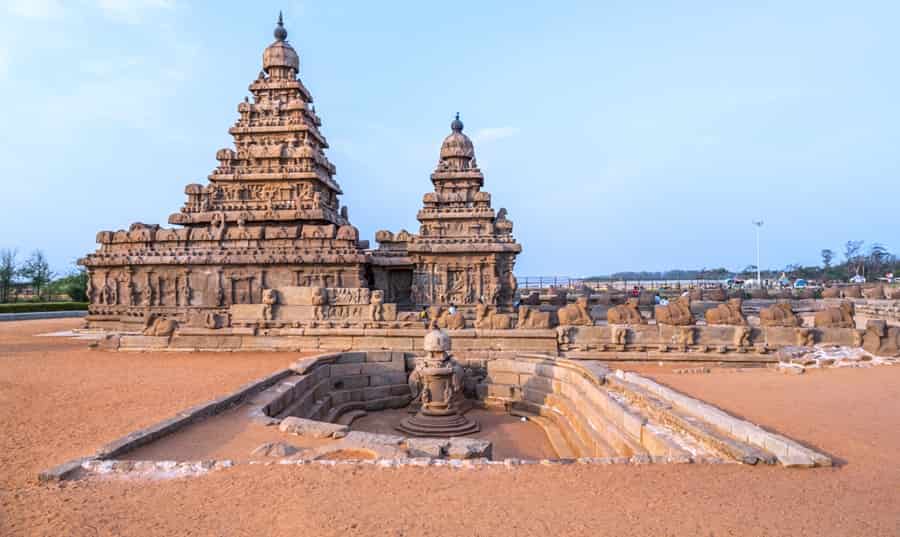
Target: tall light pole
758	224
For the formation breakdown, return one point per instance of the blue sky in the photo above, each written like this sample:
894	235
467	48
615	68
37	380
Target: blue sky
619	135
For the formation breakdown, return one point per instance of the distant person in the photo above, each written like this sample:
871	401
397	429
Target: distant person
452	309
423	315
635	292
657	299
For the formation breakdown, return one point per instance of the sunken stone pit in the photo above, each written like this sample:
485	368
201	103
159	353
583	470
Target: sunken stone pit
394	408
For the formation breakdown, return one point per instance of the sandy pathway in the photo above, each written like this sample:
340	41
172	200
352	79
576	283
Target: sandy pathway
59	400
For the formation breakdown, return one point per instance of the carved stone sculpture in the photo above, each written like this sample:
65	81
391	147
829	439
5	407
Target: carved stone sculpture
780	314
742	336
851	291
159	326
804	337
320	303
831	292
269	299
729	313
839	317
676	313
486	317
881	339
438	382
376	306
452	321
627	313
533	318
716	294
576	314
875	292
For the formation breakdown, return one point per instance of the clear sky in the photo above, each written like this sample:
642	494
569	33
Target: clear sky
619	135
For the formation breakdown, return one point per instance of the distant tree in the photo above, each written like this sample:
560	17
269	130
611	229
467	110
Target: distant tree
37	270
9	269
827	257
878	257
852	257
74	284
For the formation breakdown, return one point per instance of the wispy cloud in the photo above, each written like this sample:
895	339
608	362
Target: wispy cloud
131	11
491	134
35	9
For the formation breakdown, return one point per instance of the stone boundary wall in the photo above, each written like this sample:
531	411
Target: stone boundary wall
603	415
573	397
788	452
607	342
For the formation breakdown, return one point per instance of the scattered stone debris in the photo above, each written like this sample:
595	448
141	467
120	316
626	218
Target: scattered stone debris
469	448
796	359
274	449
312	428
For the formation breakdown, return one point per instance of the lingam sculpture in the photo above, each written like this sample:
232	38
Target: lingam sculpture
437	381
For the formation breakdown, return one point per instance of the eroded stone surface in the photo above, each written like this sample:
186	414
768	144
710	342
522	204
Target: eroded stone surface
275	449
312	428
468	448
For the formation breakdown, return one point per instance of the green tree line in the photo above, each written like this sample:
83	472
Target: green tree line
35	271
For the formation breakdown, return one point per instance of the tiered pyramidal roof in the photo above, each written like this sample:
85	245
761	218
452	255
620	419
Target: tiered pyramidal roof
277	171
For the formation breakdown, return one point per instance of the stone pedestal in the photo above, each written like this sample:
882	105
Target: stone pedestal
438	384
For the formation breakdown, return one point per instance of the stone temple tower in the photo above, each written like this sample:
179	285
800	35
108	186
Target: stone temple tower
465	251
268	217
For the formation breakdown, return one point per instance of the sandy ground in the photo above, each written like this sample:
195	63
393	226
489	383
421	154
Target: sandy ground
59	400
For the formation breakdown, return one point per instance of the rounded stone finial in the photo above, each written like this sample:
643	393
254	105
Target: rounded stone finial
456	125
436	341
280	32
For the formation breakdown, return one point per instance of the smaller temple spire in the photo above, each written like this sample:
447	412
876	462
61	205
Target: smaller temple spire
280	32
456	125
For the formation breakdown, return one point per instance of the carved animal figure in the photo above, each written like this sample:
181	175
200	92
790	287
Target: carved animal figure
676	313
627	313
729	313
876	292
716	294
487	317
531	318
881	339
159	326
831	292
839	317
450	321
780	314
851	291
576	314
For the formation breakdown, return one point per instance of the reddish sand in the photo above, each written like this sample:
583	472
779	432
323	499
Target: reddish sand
59	400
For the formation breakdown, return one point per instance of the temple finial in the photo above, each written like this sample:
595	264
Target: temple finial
456	125
280	32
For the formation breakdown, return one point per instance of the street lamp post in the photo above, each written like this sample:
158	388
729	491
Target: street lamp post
758	224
